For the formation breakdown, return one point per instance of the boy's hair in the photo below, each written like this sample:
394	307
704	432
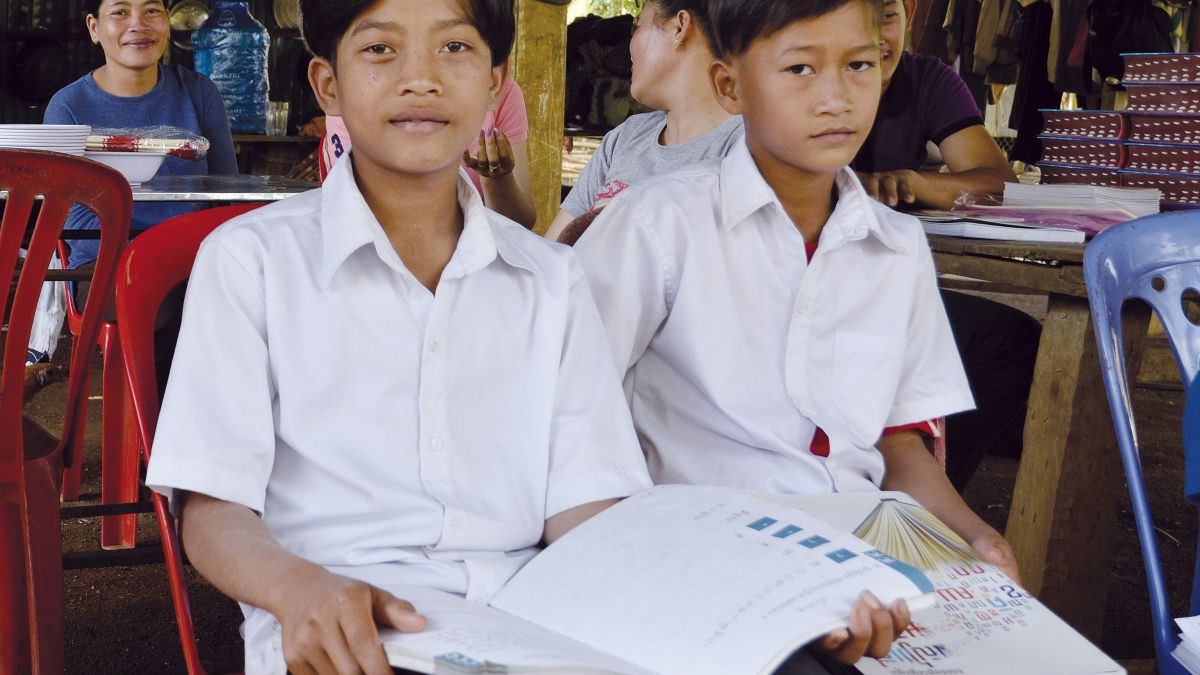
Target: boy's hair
698	9
737	23
324	23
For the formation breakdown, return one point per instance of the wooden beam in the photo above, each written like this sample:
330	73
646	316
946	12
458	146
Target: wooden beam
539	66
1064	503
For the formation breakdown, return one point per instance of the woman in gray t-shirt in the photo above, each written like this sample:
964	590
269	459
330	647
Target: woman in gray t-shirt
671	50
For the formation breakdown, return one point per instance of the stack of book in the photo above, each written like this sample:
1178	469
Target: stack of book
1187	653
1136	202
1153	143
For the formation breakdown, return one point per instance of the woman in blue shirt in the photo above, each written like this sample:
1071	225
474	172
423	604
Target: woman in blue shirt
132	89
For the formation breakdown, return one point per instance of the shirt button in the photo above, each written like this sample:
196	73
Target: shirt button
801	307
436	444
435	345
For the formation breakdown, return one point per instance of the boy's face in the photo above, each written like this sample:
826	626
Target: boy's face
891	33
808	92
132	33
413	82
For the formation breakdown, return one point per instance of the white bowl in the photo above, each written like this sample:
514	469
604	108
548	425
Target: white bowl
137	167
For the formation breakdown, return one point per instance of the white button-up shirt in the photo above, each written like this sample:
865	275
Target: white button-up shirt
385	432
733	346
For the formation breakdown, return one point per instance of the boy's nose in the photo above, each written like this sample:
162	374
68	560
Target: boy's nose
419	73
834	95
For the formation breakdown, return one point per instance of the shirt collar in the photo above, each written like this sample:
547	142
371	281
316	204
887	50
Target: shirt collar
744	191
348	224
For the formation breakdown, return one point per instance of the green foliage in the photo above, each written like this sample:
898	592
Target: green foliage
604	8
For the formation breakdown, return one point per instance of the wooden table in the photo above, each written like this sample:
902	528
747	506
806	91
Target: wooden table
1062	518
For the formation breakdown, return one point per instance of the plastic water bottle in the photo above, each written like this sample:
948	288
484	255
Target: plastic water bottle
231	50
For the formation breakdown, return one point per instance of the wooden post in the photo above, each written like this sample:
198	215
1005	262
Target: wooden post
539	66
1063	511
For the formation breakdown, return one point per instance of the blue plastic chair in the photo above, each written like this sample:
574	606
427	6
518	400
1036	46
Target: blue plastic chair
1155	259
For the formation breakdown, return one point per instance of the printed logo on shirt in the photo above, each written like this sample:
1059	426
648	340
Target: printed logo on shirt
609	190
337	145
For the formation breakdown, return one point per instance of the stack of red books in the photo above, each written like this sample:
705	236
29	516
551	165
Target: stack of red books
1154	142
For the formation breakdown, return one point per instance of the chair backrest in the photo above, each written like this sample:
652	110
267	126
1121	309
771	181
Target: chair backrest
74	318
155	263
59	181
1155	259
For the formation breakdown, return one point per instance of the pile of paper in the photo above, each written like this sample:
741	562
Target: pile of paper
1188	651
1137	201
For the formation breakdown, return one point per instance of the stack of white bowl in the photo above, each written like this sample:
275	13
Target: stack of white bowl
65	138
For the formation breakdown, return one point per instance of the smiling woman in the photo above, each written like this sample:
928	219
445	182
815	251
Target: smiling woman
132	89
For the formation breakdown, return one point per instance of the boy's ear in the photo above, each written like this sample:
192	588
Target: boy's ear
323	80
499	75
723	77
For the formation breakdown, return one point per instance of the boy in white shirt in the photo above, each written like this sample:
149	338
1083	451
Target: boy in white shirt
380	383
746	363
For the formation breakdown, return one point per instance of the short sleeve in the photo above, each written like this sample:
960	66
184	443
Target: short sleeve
594	451
215	127
216	432
949	105
58	111
932	380
511	116
628	271
583	195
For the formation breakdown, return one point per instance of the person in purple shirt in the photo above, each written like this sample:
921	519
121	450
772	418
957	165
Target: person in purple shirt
925	100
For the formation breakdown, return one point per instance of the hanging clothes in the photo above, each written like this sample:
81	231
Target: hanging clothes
1034	90
1124	26
1069	16
926	34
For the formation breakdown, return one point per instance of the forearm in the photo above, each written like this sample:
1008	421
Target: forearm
231	547
560	223
504	196
939	190
558	525
911	468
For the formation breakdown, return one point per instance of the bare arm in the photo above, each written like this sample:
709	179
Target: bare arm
911	468
504	176
976	165
560	223
510	194
558	525
329	622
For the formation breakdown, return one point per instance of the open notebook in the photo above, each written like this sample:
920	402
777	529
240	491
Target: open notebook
982	624
678	579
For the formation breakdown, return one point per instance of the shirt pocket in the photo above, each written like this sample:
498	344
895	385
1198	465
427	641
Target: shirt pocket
866	376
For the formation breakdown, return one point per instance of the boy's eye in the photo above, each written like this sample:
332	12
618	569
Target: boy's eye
456	47
378	48
801	69
861	66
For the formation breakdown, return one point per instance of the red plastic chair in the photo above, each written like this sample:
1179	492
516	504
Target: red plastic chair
31	594
118	437
156	262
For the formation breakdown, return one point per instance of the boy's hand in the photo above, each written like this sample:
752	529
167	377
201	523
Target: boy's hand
329	624
872	630
494	156
892	187
993	549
